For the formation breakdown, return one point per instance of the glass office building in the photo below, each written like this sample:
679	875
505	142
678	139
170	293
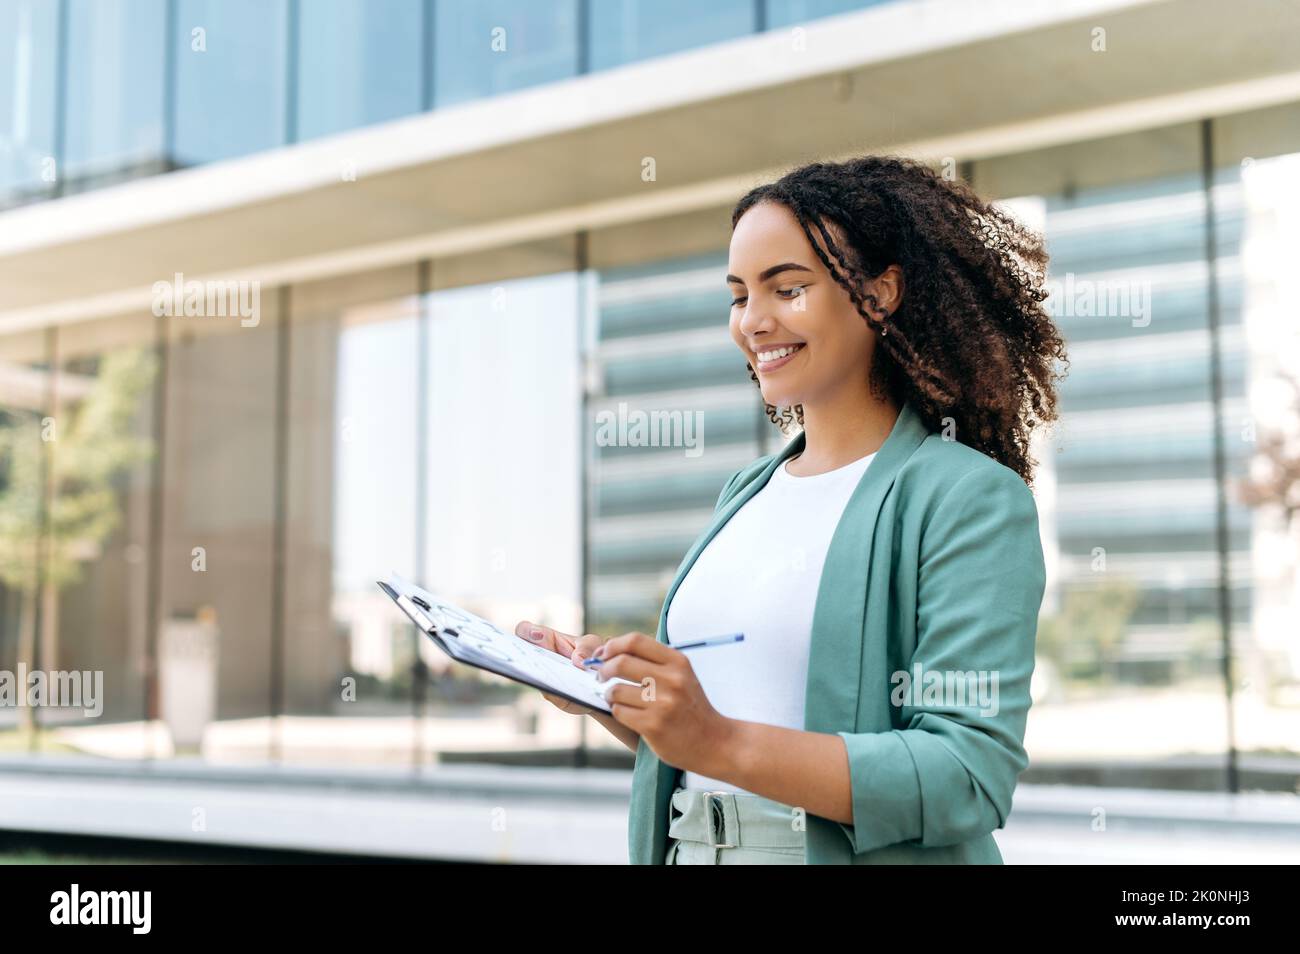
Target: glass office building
99	91
444	316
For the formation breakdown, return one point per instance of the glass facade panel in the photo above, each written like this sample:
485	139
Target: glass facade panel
96	608
27	400
1256	228
496	46
230	78
351	518
222	439
1128	486
504	492
671	414
780	13
116	97
29	41
624	31
359	62
355	63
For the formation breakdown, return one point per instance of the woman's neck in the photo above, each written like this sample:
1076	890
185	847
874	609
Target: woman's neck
840	431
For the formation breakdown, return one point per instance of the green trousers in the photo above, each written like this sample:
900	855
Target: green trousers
731	828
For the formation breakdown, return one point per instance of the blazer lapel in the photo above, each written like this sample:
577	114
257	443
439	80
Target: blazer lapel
652	778
837	628
838	625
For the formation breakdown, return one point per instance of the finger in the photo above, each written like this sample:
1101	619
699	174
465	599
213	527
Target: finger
627	666
630	697
562	643
565	705
538	635
629	716
638	644
585	648
525	629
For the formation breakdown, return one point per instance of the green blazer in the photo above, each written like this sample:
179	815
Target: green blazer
937	563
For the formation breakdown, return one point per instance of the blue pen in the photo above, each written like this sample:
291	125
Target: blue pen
712	641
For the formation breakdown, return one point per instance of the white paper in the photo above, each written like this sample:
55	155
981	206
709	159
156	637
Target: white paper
479	640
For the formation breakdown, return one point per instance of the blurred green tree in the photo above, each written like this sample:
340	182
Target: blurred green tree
73	460
1091	624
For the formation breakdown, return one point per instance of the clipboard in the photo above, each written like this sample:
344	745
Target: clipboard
474	641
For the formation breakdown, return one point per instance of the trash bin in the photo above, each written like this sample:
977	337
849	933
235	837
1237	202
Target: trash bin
187	668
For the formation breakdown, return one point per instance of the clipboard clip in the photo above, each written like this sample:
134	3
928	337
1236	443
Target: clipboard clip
422	619
416	615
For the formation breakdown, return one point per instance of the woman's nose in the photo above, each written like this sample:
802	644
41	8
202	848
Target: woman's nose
756	318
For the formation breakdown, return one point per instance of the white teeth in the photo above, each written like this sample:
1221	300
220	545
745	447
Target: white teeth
766	356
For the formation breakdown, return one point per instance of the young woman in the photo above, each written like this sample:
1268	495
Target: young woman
885	567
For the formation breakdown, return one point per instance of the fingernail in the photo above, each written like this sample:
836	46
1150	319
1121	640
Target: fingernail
536	634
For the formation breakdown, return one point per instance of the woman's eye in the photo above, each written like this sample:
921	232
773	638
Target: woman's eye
789	294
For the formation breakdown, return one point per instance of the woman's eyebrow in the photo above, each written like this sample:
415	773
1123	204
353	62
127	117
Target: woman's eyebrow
769	272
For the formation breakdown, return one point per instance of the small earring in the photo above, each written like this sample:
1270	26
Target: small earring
884	330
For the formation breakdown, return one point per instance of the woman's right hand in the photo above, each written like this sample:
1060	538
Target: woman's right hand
577	648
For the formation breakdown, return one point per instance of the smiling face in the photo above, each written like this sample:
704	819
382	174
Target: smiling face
795	324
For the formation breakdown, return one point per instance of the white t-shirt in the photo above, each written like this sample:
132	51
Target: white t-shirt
759	576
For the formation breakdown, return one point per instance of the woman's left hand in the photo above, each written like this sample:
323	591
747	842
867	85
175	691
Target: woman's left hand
668	708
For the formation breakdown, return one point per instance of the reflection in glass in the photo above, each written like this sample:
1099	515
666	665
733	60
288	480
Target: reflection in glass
503	492
662	345
100	536
624	31
1134	490
115	89
230	78
1130	645
28	85
351	520
218	524
1257	214
787	12
359	62
496	46
26	399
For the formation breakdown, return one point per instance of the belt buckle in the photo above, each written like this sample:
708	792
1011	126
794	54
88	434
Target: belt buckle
709	802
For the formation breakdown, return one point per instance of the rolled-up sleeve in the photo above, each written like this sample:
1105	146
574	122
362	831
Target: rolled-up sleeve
949	774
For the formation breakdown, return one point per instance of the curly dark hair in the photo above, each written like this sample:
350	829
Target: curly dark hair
971	341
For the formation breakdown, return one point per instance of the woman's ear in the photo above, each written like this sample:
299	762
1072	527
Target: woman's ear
887	287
